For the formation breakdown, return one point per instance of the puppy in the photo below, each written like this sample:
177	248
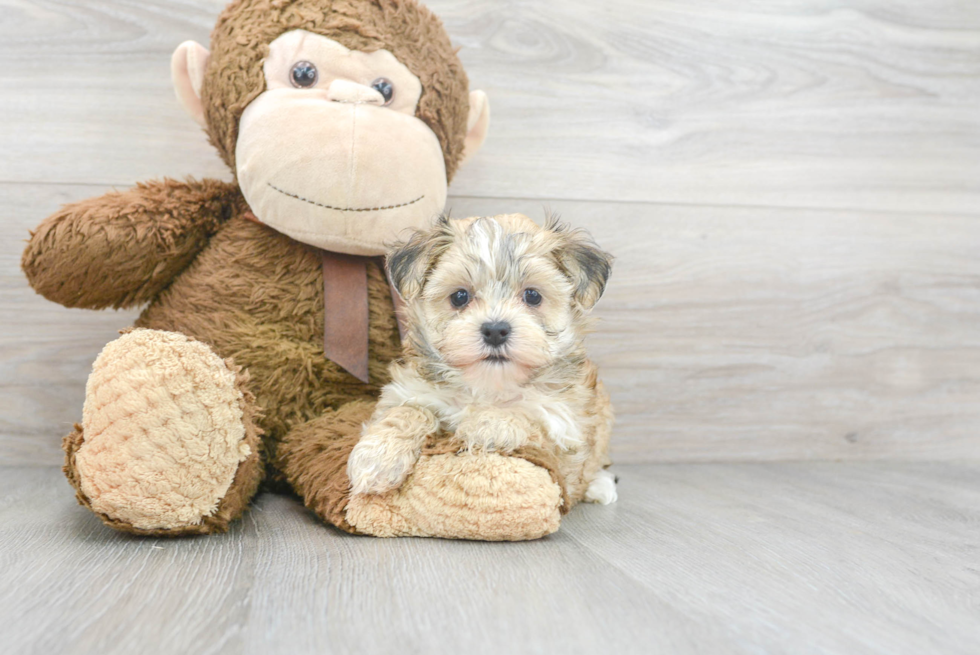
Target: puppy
497	309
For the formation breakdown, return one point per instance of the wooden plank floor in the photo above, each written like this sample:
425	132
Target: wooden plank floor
855	104
792	192
822	360
846	558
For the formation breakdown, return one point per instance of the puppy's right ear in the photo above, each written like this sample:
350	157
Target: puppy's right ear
409	263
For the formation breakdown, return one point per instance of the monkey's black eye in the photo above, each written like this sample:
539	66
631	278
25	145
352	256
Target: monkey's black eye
303	75
532	297
459	298
383	86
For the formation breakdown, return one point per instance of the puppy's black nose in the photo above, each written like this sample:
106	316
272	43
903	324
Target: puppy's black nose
495	334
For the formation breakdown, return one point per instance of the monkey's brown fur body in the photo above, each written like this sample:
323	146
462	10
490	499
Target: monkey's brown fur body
255	299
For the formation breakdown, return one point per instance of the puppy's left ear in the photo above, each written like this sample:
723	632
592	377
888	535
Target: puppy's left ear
585	264
409	263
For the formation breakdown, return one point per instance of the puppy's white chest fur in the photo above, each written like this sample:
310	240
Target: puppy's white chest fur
454	406
555	417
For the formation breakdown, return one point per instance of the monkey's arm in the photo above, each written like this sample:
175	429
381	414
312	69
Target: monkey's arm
123	248
449	495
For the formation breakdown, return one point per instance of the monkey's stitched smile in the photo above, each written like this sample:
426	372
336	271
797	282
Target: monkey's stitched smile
344	209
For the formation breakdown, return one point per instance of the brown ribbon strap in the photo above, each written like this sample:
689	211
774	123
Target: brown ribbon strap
345	303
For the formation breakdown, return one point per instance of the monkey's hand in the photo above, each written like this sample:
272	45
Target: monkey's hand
389	448
495	429
123	248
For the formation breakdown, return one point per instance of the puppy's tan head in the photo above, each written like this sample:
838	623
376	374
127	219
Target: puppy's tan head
498	299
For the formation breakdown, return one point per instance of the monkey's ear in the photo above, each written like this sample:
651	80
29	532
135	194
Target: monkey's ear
187	68
585	264
408	263
477	124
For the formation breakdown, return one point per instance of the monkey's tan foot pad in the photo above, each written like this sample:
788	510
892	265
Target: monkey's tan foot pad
167	445
487	497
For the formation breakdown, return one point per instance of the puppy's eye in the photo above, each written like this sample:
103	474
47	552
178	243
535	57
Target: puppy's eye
303	75
459	298
532	297
383	86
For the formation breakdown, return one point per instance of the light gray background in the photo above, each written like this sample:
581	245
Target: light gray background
791	189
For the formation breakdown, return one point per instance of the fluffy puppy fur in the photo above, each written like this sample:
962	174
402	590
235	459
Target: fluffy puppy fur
497	310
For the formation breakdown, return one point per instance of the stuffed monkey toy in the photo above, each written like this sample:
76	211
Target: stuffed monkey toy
268	322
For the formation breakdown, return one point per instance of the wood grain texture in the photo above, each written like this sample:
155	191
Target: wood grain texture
737	333
733	328
820	103
791	190
739	558
725	333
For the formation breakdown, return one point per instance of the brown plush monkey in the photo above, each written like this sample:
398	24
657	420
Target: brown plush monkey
268	326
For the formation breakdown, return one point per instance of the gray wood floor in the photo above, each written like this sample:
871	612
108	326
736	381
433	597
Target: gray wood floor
700	558
792	190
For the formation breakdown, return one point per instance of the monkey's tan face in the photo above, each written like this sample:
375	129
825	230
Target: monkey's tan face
332	154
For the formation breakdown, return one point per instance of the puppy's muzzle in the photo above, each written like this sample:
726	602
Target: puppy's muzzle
495	333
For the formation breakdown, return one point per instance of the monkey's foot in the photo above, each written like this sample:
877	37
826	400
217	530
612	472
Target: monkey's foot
482	496
167	444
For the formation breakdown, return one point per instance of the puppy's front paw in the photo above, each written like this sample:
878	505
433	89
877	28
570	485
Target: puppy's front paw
387	452
602	489
494	430
379	465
